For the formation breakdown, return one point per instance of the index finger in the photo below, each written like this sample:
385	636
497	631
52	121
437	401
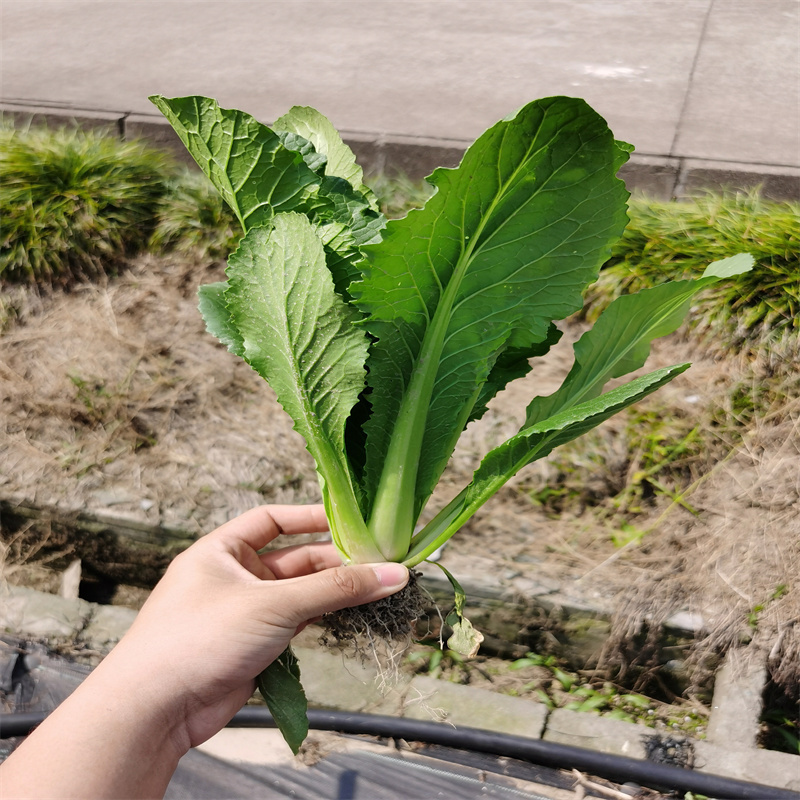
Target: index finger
259	526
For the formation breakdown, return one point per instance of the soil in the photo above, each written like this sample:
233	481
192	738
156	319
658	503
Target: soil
115	400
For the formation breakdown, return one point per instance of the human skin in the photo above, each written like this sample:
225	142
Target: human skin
218	617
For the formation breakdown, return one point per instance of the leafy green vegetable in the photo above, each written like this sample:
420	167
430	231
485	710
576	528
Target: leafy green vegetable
382	340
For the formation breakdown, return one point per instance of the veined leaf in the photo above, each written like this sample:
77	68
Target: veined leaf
529	445
292	141
217	317
353	218
317	129
619	341
508	242
248	164
260	172
345	224
512	363
298	334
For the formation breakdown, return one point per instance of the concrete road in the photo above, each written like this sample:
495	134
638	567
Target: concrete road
715	80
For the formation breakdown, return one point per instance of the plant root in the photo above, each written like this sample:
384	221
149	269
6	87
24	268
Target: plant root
389	621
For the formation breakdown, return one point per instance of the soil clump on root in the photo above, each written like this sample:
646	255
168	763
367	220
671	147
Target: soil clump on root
389	621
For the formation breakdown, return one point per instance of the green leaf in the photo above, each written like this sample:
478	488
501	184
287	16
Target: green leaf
512	363
730	267
283	693
619	341
217	317
247	162
508	243
593	703
535	442
317	129
353	218
261	172
346	223
527	446
298	334
291	141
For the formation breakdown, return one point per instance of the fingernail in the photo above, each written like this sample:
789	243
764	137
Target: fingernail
391	574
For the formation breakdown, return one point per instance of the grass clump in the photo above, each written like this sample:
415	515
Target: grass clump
195	220
74	203
669	240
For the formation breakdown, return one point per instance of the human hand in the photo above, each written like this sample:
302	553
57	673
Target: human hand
219	616
222	613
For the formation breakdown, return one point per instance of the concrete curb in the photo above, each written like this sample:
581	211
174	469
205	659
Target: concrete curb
729	750
659	176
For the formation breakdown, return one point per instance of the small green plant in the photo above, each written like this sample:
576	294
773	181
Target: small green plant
74	203
657	452
93	395
383	339
755	612
782	731
434	661
566	689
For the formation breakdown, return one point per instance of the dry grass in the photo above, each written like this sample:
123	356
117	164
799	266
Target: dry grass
114	395
736	564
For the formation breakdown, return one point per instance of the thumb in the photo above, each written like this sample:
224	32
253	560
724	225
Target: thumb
340	587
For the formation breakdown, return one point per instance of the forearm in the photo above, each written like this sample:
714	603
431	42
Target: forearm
114	737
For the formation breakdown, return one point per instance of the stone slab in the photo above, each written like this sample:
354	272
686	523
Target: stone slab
249	746
583	729
107	625
28	612
55	115
443	68
429	698
334	681
737	702
743	103
774	183
653	176
767	767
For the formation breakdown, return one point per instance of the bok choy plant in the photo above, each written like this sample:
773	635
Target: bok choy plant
384	339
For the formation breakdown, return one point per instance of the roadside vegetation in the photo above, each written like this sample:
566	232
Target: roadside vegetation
74	204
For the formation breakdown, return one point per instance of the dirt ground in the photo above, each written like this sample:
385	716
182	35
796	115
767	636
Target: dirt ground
114	399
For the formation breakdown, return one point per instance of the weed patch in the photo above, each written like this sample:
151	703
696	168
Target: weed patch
74	203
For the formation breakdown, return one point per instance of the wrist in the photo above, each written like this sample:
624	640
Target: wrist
151	704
